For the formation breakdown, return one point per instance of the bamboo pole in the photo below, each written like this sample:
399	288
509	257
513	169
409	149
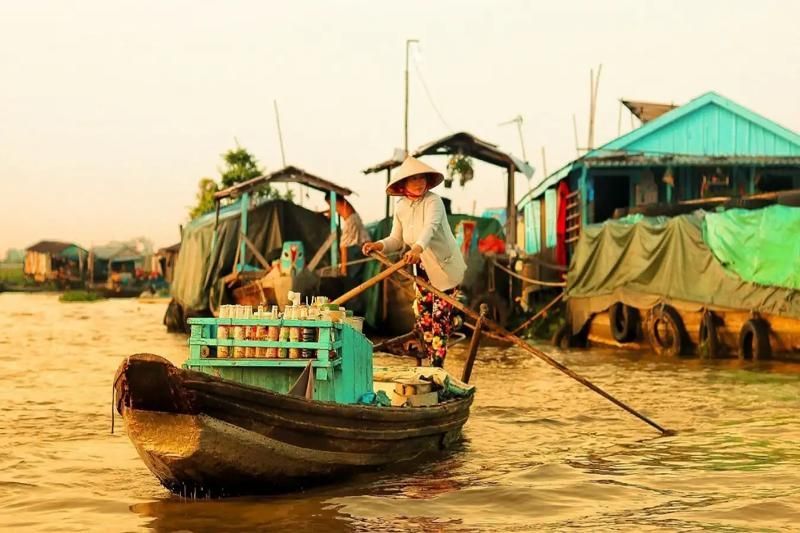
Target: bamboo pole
523	345
370	282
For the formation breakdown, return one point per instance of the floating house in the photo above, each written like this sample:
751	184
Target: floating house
167	257
700	154
227	255
121	259
54	260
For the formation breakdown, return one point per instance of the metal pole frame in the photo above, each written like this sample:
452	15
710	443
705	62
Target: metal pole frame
243	229
334	228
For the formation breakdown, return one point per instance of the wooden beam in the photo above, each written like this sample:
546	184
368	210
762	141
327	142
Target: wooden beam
259	257
511	209
321	252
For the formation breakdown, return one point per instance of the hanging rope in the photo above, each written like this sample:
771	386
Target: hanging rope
528	280
541	313
546	264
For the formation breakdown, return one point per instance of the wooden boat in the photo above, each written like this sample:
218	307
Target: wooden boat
202	434
715	285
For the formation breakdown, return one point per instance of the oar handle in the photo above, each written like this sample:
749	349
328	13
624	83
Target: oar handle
522	344
352	293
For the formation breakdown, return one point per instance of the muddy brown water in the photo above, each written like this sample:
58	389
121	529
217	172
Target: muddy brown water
540	452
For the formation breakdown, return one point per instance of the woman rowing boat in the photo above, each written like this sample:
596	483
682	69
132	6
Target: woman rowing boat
420	222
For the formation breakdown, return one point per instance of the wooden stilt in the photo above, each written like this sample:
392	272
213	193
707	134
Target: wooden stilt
474	343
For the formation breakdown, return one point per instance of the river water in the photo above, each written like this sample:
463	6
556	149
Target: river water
540	452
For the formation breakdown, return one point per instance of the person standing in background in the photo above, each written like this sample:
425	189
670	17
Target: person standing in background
353	235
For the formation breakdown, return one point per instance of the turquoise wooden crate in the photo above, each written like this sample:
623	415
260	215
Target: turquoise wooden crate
342	366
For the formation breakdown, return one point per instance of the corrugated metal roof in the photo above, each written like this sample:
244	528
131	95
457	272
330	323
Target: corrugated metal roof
709	130
638	160
116	253
53	247
550	181
175	248
467	144
710	125
289	174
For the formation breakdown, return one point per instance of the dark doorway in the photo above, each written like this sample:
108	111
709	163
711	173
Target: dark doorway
610	192
773	183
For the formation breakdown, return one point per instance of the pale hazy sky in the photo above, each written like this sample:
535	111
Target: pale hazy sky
110	112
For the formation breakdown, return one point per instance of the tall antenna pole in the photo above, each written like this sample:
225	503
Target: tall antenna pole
544	164
593	85
518	121
521	141
575	132
283	153
405	120
280	135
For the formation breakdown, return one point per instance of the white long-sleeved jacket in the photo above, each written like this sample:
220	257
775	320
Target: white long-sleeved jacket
424	222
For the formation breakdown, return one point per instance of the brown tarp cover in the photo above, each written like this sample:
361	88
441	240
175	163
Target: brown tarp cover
644	262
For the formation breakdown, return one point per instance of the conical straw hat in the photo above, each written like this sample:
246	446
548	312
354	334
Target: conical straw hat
412	167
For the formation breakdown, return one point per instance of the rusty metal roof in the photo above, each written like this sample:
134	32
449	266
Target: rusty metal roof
460	143
52	247
647	111
289	174
175	248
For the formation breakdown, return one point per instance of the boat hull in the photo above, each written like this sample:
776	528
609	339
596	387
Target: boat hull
201	435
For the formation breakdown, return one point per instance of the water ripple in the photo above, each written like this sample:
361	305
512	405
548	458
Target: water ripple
541	453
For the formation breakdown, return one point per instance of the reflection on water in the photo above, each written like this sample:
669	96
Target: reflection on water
540	453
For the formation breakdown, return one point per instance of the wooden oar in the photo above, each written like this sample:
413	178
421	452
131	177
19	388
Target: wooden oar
522	344
352	293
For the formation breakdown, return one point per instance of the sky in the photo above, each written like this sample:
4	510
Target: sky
111	112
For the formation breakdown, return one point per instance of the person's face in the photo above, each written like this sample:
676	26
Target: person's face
416	185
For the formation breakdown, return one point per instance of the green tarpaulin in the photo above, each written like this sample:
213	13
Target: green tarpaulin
762	245
199	268
660	260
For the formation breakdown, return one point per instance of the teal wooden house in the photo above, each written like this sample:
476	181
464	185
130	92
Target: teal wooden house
709	148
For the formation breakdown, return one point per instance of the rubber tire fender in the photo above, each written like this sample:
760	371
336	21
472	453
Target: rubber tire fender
561	338
754	340
623	320
670	317
564	339
708	334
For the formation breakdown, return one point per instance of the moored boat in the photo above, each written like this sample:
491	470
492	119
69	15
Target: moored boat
714	284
